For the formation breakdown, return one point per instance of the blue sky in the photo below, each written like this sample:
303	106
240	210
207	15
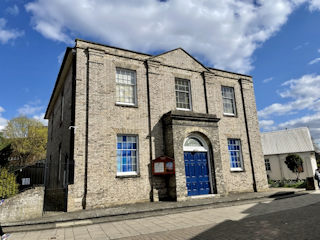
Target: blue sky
275	41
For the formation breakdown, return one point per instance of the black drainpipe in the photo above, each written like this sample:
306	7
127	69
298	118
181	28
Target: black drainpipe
149	128
205	91
84	200
249	144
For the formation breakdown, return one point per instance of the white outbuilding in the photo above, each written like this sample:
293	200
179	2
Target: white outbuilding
278	145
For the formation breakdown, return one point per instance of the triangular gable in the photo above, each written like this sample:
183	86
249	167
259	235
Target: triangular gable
181	59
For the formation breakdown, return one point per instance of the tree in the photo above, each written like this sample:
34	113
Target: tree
3	142
28	139
294	163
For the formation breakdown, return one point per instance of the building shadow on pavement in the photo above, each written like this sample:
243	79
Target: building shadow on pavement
289	219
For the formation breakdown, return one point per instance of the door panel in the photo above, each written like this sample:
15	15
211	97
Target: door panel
197	173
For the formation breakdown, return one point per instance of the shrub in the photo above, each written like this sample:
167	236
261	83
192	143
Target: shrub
8	184
288	183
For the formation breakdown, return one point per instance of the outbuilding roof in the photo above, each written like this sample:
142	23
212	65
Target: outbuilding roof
287	141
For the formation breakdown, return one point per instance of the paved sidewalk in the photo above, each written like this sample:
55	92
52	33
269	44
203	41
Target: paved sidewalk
184	225
140	210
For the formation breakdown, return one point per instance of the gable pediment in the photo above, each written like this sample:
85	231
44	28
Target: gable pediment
180	59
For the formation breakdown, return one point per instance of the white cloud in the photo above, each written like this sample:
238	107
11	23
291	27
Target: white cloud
40	117
8	34
266	123
60	57
304	93
314	61
314	5
310	121
3	121
301	46
28	109
224	33
308	86
14	10
267	80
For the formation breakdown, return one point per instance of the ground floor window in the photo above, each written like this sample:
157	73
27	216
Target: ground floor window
267	163
234	147
127	154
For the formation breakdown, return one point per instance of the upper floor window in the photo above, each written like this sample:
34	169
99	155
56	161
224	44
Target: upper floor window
127	155
183	97
126	86
267	163
229	107
234	147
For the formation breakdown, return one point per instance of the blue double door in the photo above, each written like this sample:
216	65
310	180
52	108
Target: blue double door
197	173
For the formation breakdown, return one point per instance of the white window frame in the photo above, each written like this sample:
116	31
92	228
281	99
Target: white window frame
131	173
134	89
233	101
189	92
236	169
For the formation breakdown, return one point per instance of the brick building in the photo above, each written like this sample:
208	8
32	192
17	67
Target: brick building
113	111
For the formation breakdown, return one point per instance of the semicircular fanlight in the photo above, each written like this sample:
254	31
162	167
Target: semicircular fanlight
193	142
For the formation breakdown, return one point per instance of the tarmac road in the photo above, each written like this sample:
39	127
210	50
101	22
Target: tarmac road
288	218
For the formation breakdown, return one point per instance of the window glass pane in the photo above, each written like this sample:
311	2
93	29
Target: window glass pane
267	164
193	142
182	87
126	153
228	100
119	163
234	148
125	85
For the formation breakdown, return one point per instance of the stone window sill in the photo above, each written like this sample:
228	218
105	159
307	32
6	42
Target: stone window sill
128	176
126	105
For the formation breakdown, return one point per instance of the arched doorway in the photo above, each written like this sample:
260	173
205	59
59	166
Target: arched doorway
196	160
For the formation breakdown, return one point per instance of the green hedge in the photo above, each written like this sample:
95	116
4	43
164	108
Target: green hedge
8	184
288	183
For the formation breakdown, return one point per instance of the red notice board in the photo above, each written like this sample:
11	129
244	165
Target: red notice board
163	165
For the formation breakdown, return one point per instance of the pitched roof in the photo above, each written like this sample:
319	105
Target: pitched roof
287	141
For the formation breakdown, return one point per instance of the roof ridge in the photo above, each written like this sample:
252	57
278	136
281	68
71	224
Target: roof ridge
285	130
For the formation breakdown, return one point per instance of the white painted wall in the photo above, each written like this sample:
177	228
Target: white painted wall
280	171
